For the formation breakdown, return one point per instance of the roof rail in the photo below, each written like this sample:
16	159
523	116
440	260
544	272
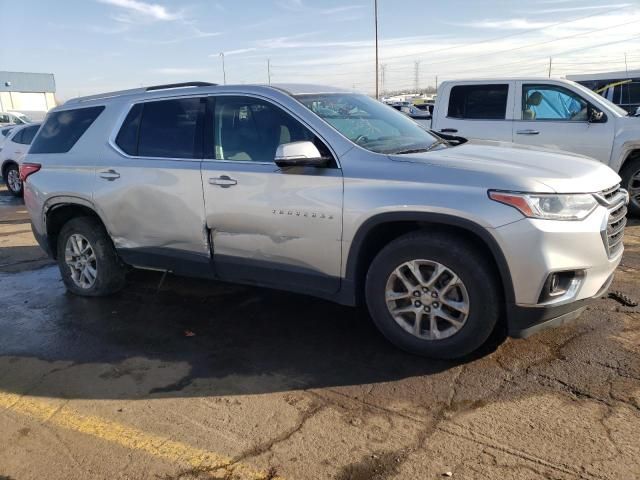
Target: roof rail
180	85
135	91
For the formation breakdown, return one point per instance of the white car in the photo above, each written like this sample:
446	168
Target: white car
12	151
4	133
14	118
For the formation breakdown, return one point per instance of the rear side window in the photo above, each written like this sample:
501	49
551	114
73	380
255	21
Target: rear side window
127	138
28	133
167	129
62	130
17	138
479	102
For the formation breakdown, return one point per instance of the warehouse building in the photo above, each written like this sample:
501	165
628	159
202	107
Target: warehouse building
27	92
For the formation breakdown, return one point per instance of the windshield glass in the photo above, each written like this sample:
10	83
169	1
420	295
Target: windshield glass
594	96
369	123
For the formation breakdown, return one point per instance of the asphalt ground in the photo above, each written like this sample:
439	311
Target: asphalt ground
176	378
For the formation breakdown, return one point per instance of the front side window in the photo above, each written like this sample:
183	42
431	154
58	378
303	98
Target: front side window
369	123
478	102
549	102
250	130
63	129
171	128
4	118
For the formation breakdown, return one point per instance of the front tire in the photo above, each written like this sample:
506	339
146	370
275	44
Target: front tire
630	174
12	179
433	295
87	259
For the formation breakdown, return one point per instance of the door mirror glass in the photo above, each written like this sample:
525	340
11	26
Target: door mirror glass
596	116
299	154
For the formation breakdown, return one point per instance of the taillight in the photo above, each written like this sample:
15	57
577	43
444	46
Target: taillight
27	169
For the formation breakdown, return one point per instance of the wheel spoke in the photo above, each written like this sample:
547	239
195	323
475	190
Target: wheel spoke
458	306
433	328
407	309
393	296
417	325
415	271
445	316
405	281
437	271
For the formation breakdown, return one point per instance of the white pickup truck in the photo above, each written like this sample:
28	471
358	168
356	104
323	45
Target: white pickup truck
551	113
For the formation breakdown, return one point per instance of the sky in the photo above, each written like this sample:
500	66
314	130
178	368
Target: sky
95	46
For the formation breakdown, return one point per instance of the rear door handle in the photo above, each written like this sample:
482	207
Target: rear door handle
110	175
449	130
223	181
528	132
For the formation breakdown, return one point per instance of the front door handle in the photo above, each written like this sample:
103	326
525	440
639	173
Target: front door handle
110	175
449	130
528	132
223	181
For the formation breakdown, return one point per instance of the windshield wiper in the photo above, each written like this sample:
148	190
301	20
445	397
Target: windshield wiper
421	150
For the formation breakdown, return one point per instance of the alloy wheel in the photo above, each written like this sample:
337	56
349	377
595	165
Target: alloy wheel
634	189
81	260
427	299
13	180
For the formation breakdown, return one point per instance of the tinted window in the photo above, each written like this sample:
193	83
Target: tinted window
28	133
171	128
548	102
5	131
248	129
481	102
62	130
127	138
4	118
17	138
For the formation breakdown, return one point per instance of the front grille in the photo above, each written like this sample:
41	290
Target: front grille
615	199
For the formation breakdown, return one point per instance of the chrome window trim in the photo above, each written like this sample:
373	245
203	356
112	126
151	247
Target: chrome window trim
123	115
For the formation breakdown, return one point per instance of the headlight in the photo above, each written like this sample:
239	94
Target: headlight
548	206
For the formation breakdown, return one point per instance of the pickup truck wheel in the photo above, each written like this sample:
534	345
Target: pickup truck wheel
88	262
12	179
630	174
433	295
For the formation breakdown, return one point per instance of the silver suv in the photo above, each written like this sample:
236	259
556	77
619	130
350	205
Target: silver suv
329	193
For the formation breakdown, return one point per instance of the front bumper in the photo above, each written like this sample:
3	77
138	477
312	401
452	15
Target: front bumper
525	321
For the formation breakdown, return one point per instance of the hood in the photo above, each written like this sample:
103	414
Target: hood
523	167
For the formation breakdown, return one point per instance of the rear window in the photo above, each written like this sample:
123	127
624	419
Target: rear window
62	130
164	128
479	102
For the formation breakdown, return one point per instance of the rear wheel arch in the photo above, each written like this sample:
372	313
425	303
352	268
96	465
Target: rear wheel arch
5	166
59	213
375	233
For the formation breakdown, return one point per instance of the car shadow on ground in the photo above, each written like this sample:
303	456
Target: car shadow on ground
184	337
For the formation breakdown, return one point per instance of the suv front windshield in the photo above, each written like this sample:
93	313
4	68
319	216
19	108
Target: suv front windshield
369	123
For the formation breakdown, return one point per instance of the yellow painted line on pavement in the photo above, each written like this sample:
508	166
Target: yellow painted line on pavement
176	452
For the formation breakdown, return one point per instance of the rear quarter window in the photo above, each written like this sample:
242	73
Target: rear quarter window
479	102
62	130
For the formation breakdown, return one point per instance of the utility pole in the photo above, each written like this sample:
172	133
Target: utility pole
269	70
626	68
550	61
416	76
224	74
375	8
383	68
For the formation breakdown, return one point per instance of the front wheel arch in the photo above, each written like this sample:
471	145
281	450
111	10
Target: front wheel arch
376	232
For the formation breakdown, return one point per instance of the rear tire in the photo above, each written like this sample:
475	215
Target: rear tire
450	311
12	180
630	174
87	259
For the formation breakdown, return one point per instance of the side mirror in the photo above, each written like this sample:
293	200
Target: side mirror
596	116
299	154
